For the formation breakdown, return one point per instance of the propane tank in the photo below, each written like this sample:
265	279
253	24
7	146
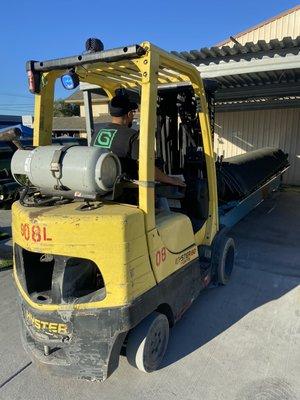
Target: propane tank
84	171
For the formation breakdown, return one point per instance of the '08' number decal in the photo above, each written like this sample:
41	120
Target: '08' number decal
160	256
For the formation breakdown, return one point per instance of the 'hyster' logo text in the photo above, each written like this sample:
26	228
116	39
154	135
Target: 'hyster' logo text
186	257
52	327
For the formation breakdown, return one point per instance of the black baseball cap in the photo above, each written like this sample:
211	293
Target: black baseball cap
121	105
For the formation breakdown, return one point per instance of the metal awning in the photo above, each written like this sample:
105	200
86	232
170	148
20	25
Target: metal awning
256	75
238	52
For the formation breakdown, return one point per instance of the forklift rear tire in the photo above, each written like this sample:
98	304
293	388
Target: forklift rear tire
223	259
147	342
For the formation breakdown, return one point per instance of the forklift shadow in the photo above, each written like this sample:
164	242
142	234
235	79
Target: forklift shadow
218	309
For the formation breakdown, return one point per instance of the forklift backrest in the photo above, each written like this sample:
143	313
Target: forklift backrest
196	201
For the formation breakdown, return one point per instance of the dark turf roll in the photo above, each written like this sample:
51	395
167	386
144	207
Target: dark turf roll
240	175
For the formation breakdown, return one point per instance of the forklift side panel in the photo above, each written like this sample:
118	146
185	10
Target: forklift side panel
171	244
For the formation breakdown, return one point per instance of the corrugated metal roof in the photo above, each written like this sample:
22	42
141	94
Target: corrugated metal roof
259	88
262	70
250	50
258	103
260	78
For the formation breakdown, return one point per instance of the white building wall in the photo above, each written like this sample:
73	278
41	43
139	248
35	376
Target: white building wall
242	131
285	24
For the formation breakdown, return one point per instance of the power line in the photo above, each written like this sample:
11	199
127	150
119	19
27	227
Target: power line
16	110
15	95
16	105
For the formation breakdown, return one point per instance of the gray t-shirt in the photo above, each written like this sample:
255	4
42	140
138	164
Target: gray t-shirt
119	139
122	141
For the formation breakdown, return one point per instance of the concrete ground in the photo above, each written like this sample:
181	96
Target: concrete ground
239	342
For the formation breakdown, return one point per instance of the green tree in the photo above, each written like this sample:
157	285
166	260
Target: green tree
63	109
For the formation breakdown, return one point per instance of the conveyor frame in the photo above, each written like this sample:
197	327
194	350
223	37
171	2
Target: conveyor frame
231	213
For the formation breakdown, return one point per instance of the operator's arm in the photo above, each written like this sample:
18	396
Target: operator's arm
164	178
159	175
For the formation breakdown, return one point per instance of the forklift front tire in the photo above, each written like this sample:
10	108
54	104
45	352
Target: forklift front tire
223	259
147	342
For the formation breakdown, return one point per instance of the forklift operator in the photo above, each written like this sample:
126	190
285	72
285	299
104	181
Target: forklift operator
121	139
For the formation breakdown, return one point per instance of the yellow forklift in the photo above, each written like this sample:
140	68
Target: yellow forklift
97	275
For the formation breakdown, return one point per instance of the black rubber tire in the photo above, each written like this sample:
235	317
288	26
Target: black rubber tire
147	342
223	256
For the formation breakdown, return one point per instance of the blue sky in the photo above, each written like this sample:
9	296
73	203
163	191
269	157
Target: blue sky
39	29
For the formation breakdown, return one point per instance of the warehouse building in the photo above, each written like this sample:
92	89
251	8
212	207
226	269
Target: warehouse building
258	101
